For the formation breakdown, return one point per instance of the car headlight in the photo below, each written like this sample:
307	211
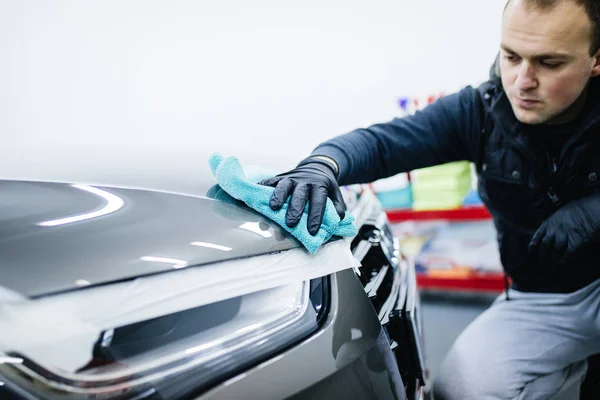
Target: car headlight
174	355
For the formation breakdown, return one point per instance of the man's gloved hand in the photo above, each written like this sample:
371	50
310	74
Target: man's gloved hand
313	181
569	229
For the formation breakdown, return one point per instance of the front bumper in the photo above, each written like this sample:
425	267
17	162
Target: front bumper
349	357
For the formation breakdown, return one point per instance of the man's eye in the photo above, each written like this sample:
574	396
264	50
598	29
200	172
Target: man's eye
511	58
551	64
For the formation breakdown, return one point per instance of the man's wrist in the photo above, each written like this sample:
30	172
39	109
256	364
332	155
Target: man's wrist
329	161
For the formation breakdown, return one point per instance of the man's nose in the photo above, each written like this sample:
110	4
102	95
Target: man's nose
526	79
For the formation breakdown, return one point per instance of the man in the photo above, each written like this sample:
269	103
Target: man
534	134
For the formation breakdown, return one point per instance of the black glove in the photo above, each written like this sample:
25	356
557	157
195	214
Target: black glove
567	231
313	181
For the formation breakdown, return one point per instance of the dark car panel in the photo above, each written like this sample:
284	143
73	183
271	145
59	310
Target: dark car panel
56	237
365	342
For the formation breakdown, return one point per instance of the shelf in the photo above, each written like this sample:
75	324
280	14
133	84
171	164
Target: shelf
471	213
476	282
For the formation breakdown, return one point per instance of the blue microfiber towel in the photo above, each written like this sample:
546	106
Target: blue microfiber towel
231	177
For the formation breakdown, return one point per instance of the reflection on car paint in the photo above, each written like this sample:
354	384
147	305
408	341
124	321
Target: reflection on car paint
255	227
177	264
113	204
211	246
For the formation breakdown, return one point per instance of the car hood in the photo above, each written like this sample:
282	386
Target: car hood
57	237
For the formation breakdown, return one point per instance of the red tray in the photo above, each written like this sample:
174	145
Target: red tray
488	283
474	213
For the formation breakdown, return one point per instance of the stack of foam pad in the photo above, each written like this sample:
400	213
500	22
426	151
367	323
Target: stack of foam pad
441	187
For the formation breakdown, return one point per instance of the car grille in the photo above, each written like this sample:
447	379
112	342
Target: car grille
390	283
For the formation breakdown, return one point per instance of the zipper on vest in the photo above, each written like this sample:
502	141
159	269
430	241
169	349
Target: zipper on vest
552	166
552	196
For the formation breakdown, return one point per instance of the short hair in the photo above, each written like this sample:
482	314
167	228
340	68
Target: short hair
592	8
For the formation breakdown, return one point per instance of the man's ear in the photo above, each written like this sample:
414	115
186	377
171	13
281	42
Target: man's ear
596	67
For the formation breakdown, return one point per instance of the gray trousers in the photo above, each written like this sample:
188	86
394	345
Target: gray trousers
533	346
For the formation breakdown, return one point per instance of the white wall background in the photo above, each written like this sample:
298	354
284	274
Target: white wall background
140	92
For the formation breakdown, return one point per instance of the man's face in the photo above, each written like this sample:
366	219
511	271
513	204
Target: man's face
545	59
